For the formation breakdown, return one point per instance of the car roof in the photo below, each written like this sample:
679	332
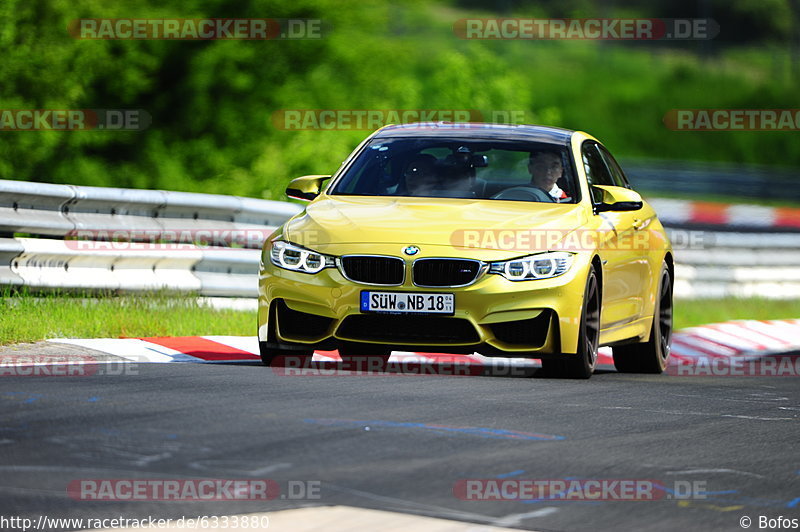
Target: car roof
555	135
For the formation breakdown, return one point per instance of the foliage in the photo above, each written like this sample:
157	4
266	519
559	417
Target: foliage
212	102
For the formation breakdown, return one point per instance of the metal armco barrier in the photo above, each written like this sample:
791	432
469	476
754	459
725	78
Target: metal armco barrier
9	249
58	210
38	221
704	178
92	238
737	264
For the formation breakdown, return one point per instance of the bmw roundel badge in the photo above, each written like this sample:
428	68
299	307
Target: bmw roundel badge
411	250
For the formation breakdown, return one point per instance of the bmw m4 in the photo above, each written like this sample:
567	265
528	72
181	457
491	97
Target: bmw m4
503	240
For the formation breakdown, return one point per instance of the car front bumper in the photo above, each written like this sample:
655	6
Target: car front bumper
493	316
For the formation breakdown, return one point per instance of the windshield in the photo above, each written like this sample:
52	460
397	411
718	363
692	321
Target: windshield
459	168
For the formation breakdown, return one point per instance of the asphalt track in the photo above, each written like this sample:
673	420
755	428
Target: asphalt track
403	443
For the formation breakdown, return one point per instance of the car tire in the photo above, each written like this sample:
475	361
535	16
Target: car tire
273	351
581	365
651	356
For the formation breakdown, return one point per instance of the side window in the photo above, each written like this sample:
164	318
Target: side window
616	171
596	171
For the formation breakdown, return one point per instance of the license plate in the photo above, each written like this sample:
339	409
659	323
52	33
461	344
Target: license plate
407	303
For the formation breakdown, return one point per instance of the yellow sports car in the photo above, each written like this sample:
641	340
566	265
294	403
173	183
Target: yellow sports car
506	240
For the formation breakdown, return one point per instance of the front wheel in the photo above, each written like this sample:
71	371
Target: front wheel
581	364
273	355
653	355
273	351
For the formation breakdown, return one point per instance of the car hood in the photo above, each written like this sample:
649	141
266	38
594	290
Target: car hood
329	223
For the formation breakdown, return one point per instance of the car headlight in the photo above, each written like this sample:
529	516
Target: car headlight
297	259
539	266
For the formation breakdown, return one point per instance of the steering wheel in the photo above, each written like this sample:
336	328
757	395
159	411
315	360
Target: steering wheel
524	194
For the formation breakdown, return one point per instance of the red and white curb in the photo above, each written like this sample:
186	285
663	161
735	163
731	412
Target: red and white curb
730	339
740	338
672	211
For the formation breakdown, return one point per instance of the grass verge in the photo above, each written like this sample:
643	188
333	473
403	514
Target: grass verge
691	312
25	318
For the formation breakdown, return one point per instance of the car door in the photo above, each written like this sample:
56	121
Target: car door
624	266
641	222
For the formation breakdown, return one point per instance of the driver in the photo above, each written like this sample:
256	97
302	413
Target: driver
420	175
546	168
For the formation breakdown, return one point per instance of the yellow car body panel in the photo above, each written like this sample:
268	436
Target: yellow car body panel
630	249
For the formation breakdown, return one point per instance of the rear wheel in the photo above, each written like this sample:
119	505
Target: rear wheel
581	365
653	355
273	351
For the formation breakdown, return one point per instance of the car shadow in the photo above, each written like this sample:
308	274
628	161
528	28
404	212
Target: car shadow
296	366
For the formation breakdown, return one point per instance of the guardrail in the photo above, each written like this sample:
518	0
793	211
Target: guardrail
705	178
90	238
735	264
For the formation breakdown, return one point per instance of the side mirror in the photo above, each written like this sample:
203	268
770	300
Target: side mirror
306	188
617	199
